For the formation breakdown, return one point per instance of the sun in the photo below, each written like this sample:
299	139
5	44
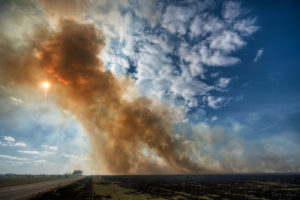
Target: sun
46	85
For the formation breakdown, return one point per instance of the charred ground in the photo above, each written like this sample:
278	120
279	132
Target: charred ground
250	186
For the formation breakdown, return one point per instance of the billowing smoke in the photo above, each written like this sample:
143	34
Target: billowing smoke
127	136
119	129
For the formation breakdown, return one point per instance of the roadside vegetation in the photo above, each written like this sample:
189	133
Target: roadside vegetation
19	179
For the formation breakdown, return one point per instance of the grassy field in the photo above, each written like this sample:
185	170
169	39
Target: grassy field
107	189
11	180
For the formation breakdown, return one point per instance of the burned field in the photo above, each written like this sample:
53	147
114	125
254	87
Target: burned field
178	187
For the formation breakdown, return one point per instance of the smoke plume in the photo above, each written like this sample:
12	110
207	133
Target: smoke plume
127	136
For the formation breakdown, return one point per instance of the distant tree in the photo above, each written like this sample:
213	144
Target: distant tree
77	172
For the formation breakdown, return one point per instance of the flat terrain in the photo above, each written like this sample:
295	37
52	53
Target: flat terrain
28	190
179	187
11	180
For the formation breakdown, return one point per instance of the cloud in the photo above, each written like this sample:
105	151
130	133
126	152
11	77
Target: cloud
214	118
20	144
52	148
258	54
231	10
227	41
40	161
216	58
189	89
16	144
246	26
16	100
216	102
205	24
175	19
12	157
41	153
68	155
8	139
29	152
223	82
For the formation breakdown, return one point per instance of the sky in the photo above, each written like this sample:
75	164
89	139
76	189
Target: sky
149	87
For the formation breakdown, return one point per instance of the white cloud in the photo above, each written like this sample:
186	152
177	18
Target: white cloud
52	148
189	89
20	144
216	58
13	144
223	82
214	118
40	161
231	10
149	10
204	24
228	41
215	102
246	26
8	139
29	152
46	153
16	100
68	155
258	54
175	19
11	157
192	57
40	153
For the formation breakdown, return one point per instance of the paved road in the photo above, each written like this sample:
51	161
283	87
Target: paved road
30	190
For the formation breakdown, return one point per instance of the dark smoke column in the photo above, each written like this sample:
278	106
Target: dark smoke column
119	129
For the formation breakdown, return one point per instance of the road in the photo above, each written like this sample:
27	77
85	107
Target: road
30	190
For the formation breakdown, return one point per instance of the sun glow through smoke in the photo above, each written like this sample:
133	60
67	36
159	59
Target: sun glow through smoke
46	86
